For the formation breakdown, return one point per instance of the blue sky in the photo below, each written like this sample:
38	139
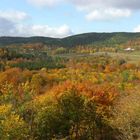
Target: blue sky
60	18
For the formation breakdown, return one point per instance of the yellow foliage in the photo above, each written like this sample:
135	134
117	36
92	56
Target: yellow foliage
5	109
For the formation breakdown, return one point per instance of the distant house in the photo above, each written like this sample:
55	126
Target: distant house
129	49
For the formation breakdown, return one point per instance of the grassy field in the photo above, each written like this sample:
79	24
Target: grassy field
132	57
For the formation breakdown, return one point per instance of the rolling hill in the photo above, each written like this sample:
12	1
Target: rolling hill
107	39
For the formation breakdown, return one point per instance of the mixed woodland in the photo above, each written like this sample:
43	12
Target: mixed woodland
69	90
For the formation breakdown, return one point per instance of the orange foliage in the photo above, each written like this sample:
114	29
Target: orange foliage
103	94
128	66
12	75
110	68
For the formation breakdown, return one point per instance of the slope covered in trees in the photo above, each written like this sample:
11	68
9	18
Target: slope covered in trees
100	39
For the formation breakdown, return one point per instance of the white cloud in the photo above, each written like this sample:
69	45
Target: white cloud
43	30
137	29
13	15
42	3
11	24
109	14
97	9
126	4
7	27
104	9
9	21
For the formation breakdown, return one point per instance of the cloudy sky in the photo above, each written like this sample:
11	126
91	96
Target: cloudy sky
61	18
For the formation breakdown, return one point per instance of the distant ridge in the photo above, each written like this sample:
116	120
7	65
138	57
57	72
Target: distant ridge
72	41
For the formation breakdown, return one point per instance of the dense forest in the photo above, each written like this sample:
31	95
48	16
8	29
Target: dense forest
83	87
101	39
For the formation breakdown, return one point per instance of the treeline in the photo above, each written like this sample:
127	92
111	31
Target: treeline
100	39
31	57
38	65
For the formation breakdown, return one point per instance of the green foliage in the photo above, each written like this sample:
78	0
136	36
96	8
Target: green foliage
121	61
60	50
125	76
38	65
72	117
100	39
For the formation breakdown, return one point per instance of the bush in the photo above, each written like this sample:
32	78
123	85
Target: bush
127	116
72	117
11	125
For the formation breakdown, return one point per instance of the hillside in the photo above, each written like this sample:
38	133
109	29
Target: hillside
107	39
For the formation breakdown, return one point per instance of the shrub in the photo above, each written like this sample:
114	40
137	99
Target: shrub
72	117
11	125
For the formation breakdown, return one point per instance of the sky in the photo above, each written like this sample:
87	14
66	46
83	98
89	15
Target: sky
61	18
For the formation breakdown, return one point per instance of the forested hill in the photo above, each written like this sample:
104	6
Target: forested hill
72	41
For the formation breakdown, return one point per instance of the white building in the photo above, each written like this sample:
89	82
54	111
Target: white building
129	49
